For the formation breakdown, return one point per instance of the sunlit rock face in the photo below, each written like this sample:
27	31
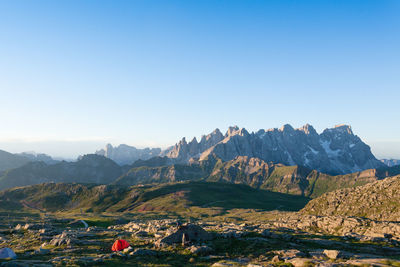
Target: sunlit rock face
334	151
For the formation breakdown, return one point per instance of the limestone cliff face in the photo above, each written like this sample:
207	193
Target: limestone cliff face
334	151
184	151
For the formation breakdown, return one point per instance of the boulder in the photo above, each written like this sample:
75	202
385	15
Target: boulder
300	262
200	250
189	233
336	254
62	239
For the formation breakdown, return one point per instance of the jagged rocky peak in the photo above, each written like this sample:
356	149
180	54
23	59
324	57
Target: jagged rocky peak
308	129
235	130
183	151
340	129
183	141
286	128
232	130
215	137
194	141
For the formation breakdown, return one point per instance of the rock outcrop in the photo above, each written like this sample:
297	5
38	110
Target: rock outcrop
184	151
184	234
378	200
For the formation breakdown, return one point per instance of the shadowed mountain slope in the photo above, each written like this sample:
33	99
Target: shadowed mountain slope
11	161
89	169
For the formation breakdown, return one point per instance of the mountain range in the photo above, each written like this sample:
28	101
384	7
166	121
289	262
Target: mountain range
295	180
11	161
287	160
125	155
335	151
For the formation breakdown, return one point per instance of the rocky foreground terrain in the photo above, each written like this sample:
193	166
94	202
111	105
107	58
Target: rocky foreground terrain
200	224
239	238
378	200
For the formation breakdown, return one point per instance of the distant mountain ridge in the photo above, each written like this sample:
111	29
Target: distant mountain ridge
10	161
335	151
32	156
125	155
287	160
296	180
89	169
391	162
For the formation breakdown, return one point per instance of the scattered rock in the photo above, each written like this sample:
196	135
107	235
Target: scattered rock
143	252
200	250
276	259
336	254
300	262
290	254
62	239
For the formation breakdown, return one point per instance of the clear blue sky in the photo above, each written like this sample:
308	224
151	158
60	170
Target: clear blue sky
77	74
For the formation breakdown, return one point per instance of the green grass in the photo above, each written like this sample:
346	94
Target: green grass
173	197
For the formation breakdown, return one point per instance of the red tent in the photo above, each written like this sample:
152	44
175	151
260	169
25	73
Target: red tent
120	245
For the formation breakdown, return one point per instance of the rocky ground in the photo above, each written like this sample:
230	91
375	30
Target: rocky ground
253	239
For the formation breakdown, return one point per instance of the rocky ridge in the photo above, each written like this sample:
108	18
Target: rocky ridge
334	151
378	200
